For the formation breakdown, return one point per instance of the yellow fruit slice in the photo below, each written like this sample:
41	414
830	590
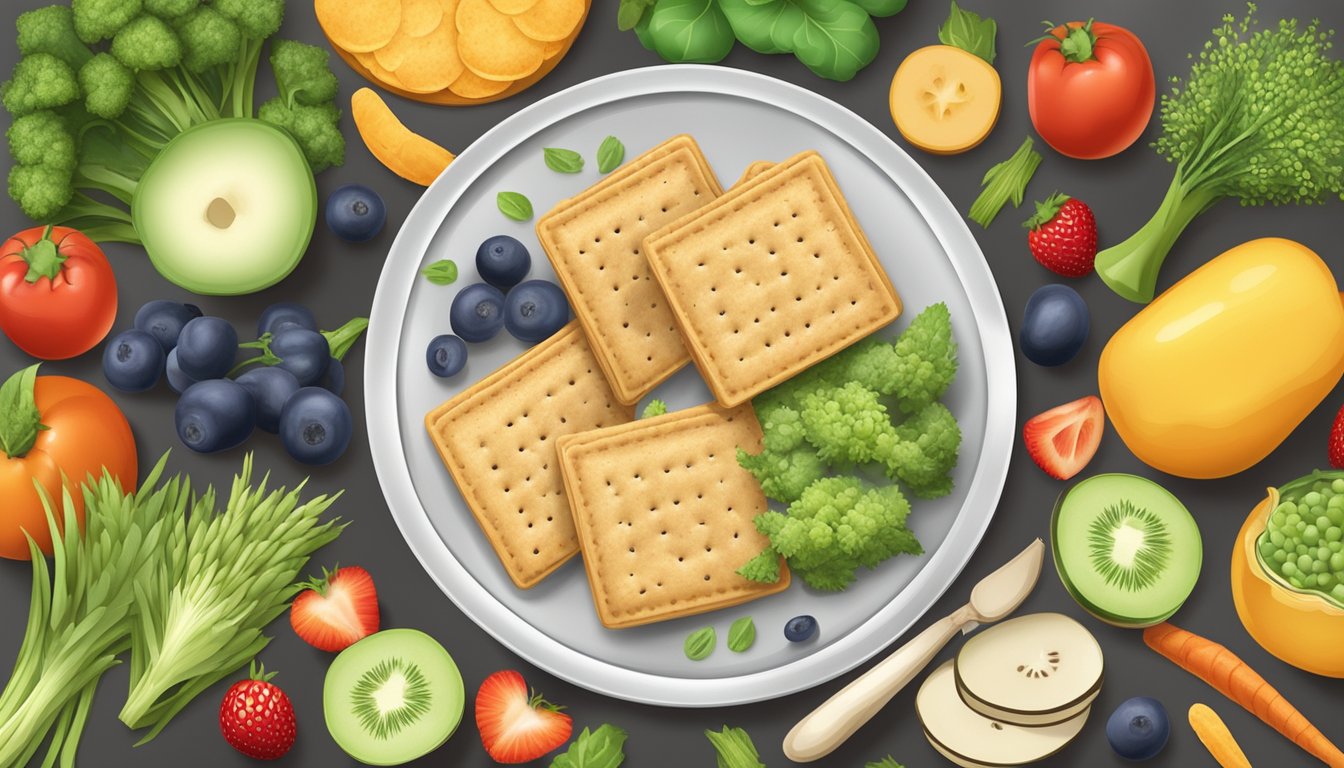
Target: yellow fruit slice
405	153
359	26
513	7
472	86
492	46
435	64
945	100
551	20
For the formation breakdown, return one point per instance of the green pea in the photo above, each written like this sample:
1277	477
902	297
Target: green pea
1276	537
1289	568
1337	561
1293	519
1338	592
1304	562
1334	546
1323	554
1334	533
1319	567
1296	582
1300	549
1280	556
1311	535
1322	522
1287	507
1338	485
1267	549
1324	580
1312	499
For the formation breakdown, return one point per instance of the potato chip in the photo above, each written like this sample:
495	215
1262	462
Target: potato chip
420	17
406	153
513	7
359	26
492	46
473	86
550	50
434	64
551	20
375	67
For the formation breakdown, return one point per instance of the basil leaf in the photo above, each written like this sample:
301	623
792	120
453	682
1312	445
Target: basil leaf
836	40
514	205
742	635
700	643
766	27
690	31
20	420
630	13
881	8
563	160
642	32
600	749
610	154
734	748
441	272
968	31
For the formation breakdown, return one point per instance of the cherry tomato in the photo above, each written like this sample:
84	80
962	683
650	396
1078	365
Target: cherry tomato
58	296
1090	89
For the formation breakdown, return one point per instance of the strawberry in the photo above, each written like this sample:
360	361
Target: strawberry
1337	441
256	717
1063	236
1064	439
517	726
333	612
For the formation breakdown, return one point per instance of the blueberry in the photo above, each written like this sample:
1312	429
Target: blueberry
477	312
177	380
1054	326
285	313
1138	729
270	387
206	348
447	355
164	320
303	353
800	629
215	415
534	310
356	213
503	261
315	426
334	379
133	361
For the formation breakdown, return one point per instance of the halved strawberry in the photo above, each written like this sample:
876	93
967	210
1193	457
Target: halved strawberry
1064	439
517	726
334	612
1337	441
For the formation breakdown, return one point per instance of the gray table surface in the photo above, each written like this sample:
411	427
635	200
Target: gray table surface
338	281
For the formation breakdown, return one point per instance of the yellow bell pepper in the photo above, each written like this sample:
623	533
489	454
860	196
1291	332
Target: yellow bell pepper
1213	375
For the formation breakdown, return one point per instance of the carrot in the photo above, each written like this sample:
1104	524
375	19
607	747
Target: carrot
1233	678
1211	730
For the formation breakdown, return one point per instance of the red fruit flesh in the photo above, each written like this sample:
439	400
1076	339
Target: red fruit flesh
517	726
337	611
257	718
1337	441
1064	439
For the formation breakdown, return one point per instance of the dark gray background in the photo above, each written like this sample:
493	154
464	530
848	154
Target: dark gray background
338	281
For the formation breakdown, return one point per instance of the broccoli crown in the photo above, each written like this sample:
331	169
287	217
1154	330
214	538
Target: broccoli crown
258	19
784	475
315	129
926	452
1258	117
40	81
926	359
98	20
846	424
40	190
654	408
147	43
108	86
52	30
170	9
209	39
783	429
303	73
41	138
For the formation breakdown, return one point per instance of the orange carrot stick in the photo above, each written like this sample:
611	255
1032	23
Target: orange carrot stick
1233	678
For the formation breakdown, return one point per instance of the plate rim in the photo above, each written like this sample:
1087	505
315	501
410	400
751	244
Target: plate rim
880	630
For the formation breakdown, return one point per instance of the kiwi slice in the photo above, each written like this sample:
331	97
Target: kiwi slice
393	697
1126	549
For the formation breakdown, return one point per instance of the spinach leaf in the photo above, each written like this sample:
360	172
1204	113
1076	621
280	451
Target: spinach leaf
836	39
764	27
690	31
642	32
968	31
631	12
881	7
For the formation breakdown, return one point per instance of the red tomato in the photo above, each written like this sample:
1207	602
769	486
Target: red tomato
58	296
1090	89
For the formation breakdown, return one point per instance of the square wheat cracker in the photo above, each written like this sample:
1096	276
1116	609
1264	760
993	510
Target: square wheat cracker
498	440
665	514
594	242
771	278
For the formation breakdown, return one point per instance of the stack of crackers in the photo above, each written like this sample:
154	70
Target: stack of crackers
662	267
455	52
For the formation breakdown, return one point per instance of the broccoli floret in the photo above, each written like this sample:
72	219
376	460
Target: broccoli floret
209	39
97	20
170	9
258	19
926	452
52	30
42	139
927	359
847	424
783	475
873	363
40	81
147	43
108	86
654	408
783	429
303	73
314	128
836	526
40	190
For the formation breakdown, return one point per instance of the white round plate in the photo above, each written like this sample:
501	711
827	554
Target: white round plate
737	117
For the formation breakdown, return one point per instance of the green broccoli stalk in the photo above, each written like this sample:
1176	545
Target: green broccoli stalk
1258	119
